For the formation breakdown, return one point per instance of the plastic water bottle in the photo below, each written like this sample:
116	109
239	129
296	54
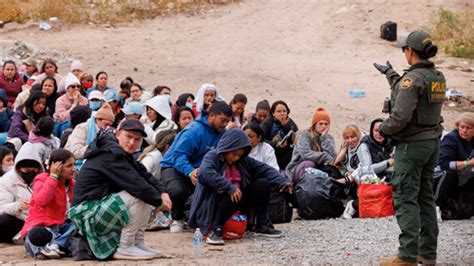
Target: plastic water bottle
197	242
356	93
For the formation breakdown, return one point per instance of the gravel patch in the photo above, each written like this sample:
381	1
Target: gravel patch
356	241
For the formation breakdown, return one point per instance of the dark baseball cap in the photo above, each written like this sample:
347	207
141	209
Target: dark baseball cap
133	125
417	40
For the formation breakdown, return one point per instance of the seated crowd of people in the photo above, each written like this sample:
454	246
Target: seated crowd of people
86	166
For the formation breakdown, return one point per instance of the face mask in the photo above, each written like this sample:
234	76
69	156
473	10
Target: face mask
94	105
87	84
7	168
28	177
190	105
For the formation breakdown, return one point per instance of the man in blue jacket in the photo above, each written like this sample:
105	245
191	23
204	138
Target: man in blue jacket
180	166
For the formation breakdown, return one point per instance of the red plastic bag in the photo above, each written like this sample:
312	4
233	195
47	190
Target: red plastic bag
375	200
235	227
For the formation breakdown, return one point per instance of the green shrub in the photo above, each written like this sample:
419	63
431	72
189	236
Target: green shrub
454	32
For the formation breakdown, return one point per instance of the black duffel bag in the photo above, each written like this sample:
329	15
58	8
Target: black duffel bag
319	196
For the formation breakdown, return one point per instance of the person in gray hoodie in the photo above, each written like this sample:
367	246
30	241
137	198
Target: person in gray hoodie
15	194
315	147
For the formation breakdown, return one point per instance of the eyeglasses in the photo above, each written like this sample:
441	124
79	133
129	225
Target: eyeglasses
75	86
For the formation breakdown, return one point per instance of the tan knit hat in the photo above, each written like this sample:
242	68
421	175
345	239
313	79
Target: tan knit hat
105	112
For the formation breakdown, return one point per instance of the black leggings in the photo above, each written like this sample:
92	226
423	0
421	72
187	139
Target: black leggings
255	196
179	188
448	188
9	227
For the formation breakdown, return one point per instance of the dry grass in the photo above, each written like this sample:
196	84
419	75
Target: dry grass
454	32
99	11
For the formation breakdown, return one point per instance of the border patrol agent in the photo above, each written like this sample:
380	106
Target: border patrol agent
415	124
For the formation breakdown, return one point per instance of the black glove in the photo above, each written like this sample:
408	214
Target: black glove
383	68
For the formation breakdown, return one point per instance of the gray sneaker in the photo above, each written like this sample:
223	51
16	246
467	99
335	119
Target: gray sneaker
133	253
142	246
51	251
157	253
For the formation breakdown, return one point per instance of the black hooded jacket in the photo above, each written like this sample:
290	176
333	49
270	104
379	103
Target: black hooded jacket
378	151
109	169
211	177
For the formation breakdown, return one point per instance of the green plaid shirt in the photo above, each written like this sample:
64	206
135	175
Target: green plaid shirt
101	222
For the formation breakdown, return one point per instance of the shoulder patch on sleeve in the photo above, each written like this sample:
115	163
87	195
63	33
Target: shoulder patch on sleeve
406	83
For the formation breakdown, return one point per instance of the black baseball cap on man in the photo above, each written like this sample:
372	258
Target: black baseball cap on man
417	40
133	125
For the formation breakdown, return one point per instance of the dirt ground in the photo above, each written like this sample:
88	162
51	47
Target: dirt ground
306	52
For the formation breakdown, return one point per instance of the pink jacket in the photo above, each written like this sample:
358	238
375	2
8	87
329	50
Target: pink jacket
63	107
48	203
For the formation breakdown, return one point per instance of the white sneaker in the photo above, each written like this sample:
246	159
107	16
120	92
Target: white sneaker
132	253
177	226
52	251
349	211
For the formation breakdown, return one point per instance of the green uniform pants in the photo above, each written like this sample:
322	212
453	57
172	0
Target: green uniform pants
413	198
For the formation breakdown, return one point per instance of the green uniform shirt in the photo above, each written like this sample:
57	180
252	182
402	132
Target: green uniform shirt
416	101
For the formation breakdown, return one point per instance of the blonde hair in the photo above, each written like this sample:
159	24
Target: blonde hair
467	118
84	75
162	139
351	130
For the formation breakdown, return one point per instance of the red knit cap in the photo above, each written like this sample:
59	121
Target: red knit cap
320	114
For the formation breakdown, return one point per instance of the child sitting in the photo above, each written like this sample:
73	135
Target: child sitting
46	230
230	180
41	139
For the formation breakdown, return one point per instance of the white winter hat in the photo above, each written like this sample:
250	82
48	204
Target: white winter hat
71	80
76	65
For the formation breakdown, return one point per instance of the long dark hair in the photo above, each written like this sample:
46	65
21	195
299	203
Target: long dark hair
275	104
49	61
44	127
51	99
178	114
10	62
238	98
183	98
255	127
28	106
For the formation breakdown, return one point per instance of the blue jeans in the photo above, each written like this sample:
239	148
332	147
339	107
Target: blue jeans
61	234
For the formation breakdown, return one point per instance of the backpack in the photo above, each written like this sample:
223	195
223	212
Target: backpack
319	196
388	31
79	247
280	209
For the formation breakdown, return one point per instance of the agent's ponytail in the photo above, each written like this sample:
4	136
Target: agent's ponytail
430	50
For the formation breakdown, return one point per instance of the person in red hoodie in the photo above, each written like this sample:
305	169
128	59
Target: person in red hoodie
10	81
46	230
